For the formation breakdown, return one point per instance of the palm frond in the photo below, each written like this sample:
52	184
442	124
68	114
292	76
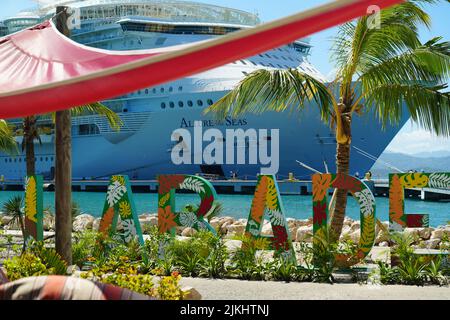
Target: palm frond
358	46
429	106
428	64
99	109
7	142
274	90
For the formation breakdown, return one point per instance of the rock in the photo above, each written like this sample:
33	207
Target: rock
215	223
293	233
425	233
356	225
48	222
96	224
431	244
179	230
354	236
5	219
192	294
148	221
348	221
346	229
72	269
304	233
236	229
188	232
223	227
83	222
267	229
382	236
439	233
232	245
412	232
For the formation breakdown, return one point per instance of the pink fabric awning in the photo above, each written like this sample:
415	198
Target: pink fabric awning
42	71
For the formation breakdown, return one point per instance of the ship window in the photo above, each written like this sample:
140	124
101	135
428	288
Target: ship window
171	104
243	62
163	105
190	104
261	55
268	56
146	91
162	89
86	129
20	159
15	160
276	57
170	89
40	159
181	104
200	102
51	158
180	88
253	62
210	102
139	92
245	73
279	65
6	160
46	158
154	90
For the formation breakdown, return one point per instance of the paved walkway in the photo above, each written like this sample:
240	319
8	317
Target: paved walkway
260	290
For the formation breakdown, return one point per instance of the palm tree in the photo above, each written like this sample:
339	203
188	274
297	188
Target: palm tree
14	208
380	69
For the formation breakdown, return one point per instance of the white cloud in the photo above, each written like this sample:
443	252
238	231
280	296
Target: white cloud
411	141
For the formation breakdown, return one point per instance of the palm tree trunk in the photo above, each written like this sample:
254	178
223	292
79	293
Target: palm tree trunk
344	138
63	168
338	215
29	127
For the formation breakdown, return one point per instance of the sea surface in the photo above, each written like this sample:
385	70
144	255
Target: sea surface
238	206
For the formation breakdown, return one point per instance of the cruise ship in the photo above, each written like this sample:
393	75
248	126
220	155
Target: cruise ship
142	148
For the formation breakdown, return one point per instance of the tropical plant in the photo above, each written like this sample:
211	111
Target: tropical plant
216	210
25	265
434	273
14	208
213	265
283	270
380	69
7	141
169	288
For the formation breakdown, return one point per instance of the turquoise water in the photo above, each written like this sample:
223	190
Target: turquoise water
238	206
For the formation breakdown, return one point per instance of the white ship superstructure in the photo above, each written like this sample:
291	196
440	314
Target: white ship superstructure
142	147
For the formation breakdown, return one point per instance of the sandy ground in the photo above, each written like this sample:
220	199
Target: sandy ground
260	290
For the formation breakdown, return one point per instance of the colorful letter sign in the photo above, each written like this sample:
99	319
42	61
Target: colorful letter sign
34	212
119	202
168	219
267	199
398	220
366	200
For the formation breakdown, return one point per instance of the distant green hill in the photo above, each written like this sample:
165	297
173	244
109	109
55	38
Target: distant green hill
407	162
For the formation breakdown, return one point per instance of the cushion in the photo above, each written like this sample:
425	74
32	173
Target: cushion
3	277
65	288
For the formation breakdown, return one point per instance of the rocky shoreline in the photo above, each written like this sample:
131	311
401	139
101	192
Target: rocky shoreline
229	227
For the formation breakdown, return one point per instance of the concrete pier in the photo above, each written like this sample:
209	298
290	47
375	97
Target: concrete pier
379	188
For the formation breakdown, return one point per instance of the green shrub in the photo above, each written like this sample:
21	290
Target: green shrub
26	265
169	288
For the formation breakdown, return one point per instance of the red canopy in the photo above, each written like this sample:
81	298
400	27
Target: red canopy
41	70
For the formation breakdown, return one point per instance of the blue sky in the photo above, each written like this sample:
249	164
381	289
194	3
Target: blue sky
410	139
